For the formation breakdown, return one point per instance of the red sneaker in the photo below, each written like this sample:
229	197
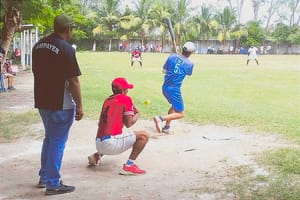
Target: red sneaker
131	170
94	159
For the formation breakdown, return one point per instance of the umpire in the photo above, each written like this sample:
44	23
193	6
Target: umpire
57	97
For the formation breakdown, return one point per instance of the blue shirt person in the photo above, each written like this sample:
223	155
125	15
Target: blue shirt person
176	68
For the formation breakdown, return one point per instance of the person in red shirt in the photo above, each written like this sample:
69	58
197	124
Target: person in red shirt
17	53
119	110
136	56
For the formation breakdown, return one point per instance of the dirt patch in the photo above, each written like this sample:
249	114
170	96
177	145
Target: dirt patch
20	99
192	162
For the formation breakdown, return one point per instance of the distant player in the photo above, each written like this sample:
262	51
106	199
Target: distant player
175	69
252	54
136	56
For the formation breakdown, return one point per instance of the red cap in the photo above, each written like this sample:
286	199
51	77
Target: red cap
122	83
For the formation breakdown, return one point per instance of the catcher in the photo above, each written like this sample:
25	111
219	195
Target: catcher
136	56
118	110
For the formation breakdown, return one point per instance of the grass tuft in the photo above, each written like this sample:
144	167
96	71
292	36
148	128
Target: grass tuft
13	124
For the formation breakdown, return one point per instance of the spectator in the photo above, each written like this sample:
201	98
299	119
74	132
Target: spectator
9	72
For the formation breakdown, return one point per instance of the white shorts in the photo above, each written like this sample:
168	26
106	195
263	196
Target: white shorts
116	144
252	56
138	59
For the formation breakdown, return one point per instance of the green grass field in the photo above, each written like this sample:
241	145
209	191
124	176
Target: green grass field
222	89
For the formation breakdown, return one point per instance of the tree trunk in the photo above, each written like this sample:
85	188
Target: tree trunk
163	42
109	46
293	11
239	7
256	6
270	13
12	23
143	38
94	46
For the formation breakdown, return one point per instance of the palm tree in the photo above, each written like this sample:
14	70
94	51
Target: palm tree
192	30
142	12
158	14
181	15
96	32
128	27
204	21
109	17
226	20
237	33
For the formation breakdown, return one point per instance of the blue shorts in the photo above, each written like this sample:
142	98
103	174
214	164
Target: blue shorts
174	97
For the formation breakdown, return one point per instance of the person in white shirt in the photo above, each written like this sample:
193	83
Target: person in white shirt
252	54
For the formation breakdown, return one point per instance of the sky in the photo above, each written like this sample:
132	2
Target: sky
247	13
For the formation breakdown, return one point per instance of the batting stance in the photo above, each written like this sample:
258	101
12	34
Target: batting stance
118	110
175	69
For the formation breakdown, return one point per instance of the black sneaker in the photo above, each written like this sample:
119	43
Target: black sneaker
41	184
11	88
166	129
61	190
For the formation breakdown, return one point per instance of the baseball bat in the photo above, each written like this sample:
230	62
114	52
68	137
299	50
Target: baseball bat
169	24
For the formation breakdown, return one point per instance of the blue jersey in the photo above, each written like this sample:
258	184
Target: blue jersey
176	68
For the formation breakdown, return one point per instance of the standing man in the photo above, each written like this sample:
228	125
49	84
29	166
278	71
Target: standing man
57	97
119	110
136	56
252	54
175	70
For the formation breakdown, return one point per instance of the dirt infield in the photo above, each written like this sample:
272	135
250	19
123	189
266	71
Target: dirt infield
193	162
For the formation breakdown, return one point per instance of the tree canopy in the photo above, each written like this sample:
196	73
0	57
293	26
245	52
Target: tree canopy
145	20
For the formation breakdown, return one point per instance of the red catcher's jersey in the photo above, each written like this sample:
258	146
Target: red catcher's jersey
114	109
136	53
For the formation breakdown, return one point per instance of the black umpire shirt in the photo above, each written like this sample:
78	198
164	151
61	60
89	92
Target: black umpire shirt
53	61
